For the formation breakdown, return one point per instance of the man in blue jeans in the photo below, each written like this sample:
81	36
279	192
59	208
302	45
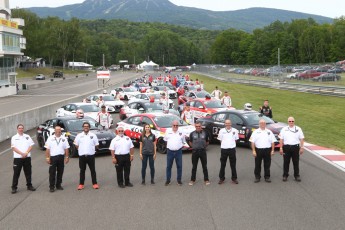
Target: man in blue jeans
175	140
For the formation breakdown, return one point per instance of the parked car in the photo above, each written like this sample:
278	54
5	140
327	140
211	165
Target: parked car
159	123
327	77
244	121
144	106
40	77
147	96
335	70
125	93
198	94
109	101
71	126
308	74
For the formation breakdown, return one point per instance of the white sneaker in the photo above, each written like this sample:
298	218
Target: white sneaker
207	182
191	183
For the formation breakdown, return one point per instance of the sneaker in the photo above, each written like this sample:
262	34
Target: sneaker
59	187
51	190
129	184
152	181
235	181
207	182
95	186
143	182
14	190
179	182
298	179
80	187
121	186
167	183
221	182
268	180
31	188
257	180
284	178
191	183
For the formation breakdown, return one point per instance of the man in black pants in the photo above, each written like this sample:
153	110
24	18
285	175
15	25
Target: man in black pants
86	143
56	156
21	145
199	140
291	146
262	140
228	137
122	150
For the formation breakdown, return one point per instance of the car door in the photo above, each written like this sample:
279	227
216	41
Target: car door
132	109
238	123
219	120
135	128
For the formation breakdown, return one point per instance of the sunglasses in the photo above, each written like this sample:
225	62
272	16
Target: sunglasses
291	121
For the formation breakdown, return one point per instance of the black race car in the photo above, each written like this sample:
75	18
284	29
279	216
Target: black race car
244	121
71	127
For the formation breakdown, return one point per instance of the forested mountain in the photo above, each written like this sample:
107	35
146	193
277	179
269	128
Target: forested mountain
166	12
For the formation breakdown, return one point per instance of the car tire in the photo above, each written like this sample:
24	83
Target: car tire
73	152
161	146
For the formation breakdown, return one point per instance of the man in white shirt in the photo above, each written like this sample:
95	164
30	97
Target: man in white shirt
187	114
86	143
216	93
21	145
262	142
122	152
175	140
57	154
291	146
104	118
226	100
228	137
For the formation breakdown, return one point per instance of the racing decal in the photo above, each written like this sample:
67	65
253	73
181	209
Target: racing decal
242	131
215	130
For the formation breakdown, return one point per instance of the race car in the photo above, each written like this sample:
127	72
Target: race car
148	96
203	107
125	93
159	123
109	101
245	121
71	126
89	110
144	106
142	87
197	94
163	89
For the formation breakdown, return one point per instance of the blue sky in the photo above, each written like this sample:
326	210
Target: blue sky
329	8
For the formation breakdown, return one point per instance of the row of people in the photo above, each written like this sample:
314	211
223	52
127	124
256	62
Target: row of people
122	153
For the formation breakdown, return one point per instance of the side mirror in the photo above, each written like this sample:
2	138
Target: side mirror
201	107
141	110
193	97
240	124
73	111
151	126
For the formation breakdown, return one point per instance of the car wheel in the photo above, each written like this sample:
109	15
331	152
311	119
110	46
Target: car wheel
161	146
125	98
73	152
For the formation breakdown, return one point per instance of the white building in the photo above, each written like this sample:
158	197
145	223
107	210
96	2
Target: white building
12	43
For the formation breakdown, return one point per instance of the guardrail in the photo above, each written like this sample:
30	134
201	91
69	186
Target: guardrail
305	88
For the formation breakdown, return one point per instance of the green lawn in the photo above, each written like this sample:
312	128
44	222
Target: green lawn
322	118
46	71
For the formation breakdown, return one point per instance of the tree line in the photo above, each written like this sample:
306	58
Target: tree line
299	41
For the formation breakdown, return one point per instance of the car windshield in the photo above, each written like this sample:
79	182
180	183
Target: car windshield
108	98
254	118
129	89
201	94
214	104
89	108
77	124
162	88
166	121
153	106
156	96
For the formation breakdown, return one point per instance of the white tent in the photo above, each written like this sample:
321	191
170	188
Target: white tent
147	65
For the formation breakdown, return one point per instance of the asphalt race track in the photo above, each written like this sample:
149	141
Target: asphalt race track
318	202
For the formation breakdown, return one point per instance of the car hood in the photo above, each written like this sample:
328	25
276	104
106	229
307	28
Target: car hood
274	127
114	103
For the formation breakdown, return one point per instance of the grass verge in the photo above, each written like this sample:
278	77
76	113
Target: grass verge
32	72
321	117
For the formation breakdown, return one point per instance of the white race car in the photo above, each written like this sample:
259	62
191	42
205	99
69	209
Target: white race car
148	96
125	93
109	101
163	89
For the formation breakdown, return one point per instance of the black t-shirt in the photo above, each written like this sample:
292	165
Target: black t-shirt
267	111
148	147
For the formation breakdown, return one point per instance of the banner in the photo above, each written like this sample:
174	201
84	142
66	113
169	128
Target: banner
103	74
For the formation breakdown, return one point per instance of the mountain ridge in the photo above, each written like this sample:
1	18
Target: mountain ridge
166	12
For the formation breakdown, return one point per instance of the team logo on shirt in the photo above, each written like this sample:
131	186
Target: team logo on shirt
127	138
91	137
233	133
268	133
27	138
180	134
63	140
